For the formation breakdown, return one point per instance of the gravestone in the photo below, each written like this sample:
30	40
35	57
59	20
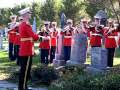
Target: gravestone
78	49
98	59
59	54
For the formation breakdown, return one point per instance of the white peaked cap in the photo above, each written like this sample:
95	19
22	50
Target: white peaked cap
24	11
46	22
85	20
97	16
54	23
69	21
110	20
13	16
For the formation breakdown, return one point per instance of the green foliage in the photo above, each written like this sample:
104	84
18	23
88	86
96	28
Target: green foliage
71	8
48	10
91	9
86	81
44	74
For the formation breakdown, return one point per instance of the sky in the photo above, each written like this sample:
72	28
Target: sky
12	3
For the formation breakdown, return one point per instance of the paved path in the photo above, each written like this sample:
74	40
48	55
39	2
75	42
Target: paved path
4	85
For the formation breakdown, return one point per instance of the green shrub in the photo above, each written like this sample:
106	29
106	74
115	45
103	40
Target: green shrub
40	75
44	74
85	81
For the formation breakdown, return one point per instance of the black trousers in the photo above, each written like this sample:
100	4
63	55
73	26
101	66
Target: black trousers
25	68
67	52
17	54
52	53
110	57
44	56
12	56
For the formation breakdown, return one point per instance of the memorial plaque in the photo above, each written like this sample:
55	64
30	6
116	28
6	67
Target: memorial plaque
98	57
78	49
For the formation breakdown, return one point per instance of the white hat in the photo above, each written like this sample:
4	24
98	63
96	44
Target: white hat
69	21
46	22
85	20
24	11
54	23
13	16
110	20
97	17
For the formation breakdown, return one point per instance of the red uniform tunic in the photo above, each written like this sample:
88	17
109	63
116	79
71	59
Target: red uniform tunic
96	37
53	38
44	44
119	37
11	35
67	37
17	37
110	41
27	36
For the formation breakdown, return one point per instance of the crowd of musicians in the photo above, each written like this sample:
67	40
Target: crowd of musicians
21	40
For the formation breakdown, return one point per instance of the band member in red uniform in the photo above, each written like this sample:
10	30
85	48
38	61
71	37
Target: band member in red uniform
85	27
26	51
68	39
11	37
110	42
119	35
96	33
53	40
17	41
44	43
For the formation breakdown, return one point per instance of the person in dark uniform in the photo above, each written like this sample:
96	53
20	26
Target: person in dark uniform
53	40
110	42
11	37
26	51
96	33
68	39
44	45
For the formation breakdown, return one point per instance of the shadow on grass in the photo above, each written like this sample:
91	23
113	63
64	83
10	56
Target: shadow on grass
117	53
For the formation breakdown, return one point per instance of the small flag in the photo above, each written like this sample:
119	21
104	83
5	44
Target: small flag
34	27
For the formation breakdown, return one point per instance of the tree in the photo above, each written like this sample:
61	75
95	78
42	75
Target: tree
71	8
48	10
92	6
36	12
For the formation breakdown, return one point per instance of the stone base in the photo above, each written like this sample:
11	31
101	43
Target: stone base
57	63
59	56
93	70
70	62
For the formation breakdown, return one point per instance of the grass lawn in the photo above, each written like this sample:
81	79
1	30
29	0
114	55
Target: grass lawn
7	67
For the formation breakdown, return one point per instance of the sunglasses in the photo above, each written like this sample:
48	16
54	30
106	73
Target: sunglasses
12	18
20	19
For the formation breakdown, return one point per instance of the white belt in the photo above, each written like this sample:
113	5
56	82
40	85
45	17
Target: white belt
111	36
95	34
67	36
26	39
